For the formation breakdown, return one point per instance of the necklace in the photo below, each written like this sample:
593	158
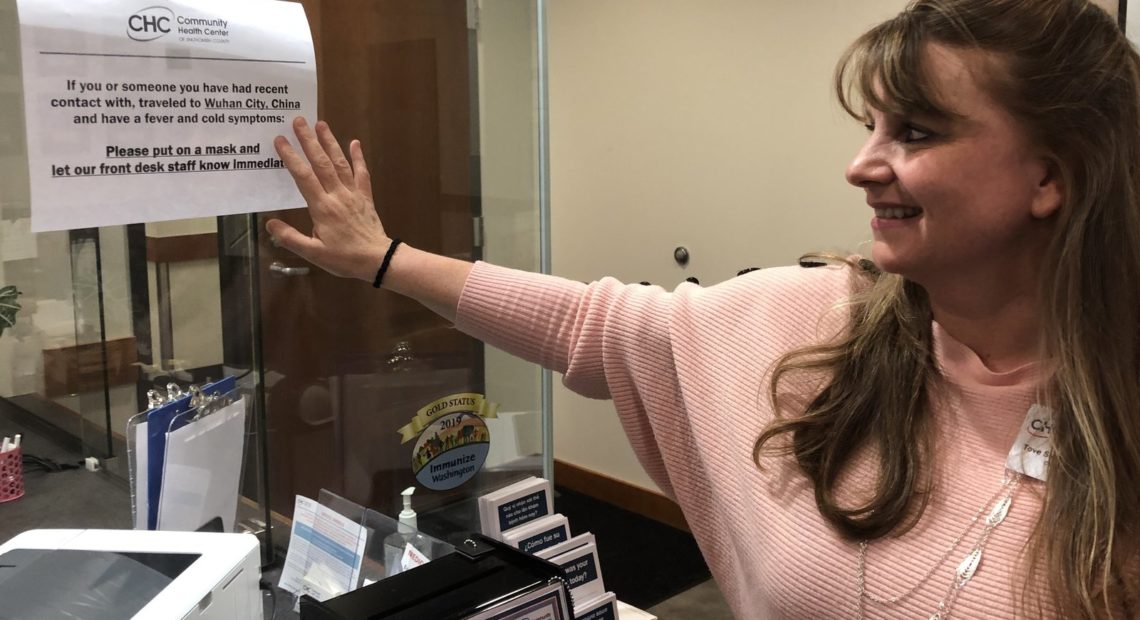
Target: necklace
998	505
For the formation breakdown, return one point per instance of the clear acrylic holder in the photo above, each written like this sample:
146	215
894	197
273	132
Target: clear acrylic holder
375	527
135	473
142	489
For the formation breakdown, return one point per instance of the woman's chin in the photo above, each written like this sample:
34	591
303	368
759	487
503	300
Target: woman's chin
890	261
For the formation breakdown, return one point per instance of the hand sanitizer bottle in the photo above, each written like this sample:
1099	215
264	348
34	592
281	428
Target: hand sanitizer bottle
407	547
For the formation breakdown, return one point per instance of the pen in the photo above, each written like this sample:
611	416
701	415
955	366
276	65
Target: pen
16	442
4	445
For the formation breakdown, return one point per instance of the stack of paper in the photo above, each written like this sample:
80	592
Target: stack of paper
185	461
544	533
604	607
520	515
511	506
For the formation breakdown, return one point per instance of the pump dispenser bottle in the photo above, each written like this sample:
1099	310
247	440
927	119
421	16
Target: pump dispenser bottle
407	547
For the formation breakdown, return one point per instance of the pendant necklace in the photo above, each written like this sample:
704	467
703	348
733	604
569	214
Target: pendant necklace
998	506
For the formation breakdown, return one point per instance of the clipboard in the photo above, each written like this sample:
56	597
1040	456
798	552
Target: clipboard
158	424
202	467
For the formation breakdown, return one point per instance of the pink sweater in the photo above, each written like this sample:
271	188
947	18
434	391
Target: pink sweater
688	372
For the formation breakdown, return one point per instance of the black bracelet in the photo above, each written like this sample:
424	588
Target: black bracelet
384	265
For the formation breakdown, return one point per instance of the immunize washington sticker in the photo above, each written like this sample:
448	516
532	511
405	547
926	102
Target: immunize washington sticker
451	440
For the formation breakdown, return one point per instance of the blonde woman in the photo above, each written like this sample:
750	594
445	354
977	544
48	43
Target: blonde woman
950	428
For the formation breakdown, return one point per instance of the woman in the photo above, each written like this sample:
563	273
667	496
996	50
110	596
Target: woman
949	429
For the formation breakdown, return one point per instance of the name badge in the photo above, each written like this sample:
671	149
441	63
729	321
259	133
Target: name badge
1030	452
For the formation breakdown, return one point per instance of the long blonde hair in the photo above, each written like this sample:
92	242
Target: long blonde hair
1072	80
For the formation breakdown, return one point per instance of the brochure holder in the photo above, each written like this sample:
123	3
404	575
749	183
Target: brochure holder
483	580
328	564
521	515
147	439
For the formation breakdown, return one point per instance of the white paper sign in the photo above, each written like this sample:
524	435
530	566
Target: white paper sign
152	110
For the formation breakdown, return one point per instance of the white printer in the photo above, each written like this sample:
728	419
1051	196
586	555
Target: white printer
118	574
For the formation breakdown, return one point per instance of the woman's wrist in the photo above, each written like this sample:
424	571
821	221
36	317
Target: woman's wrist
386	262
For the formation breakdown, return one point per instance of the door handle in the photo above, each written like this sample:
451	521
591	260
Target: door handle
278	268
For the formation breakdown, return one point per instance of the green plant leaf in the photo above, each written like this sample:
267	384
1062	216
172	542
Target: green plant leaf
8	307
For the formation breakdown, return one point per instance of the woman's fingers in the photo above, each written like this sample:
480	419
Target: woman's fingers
347	233
311	189
319	161
361	176
335	154
293	240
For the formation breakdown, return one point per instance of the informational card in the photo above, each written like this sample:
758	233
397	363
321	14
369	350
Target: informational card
539	534
543	603
514	505
144	111
575	542
583	572
604	607
325	552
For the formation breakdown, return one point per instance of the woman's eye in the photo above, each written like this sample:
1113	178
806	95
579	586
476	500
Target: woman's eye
870	127
914	134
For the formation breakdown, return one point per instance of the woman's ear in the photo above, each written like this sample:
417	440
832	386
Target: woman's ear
1050	190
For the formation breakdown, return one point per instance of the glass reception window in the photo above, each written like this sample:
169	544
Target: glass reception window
354	390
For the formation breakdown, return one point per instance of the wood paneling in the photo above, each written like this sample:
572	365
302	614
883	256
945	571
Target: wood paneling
77	369
619	493
182	248
395	75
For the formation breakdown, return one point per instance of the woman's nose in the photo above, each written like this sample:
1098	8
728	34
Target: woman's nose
870	166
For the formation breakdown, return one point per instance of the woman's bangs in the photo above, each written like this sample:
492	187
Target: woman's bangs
884	70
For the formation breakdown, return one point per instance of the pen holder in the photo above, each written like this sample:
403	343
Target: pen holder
11	475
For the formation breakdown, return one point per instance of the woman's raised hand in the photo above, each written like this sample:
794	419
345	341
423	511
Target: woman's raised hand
348	239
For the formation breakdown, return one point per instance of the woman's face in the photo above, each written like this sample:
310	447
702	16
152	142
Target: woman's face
955	194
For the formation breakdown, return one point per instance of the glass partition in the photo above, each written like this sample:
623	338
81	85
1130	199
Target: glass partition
354	390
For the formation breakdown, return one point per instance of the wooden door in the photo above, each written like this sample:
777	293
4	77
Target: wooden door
347	365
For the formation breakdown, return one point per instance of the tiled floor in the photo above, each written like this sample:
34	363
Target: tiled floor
702	602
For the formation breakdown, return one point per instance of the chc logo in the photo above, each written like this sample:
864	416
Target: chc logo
1040	427
149	23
